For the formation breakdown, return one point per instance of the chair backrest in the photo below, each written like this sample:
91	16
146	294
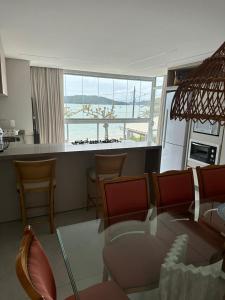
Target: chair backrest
110	164
124	195
35	171
33	269
211	180
173	187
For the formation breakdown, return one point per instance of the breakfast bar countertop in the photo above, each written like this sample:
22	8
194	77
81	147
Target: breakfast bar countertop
73	161
20	150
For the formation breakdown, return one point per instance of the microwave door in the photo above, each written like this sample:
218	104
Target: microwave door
203	153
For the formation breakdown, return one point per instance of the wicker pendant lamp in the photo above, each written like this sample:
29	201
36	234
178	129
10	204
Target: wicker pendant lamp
202	95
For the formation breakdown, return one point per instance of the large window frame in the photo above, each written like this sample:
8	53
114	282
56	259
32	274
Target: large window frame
124	121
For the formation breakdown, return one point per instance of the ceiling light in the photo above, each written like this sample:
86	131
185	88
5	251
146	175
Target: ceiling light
202	95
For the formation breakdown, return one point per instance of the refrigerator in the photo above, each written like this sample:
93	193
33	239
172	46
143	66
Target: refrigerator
174	142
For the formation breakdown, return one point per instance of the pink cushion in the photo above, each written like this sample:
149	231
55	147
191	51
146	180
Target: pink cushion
213	182
134	261
126	197
108	290
40	271
175	189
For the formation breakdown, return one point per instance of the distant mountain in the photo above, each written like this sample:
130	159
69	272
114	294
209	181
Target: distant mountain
86	99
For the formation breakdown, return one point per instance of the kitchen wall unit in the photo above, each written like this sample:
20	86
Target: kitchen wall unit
177	74
175	133
207	139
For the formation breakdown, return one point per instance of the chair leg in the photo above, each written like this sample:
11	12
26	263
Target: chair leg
105	276
87	202
22	208
51	211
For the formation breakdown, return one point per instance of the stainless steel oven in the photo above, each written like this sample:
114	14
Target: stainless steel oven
203	153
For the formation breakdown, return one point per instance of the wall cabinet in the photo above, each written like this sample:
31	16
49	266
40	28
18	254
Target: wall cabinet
177	74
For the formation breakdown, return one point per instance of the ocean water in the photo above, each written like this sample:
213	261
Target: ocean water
115	130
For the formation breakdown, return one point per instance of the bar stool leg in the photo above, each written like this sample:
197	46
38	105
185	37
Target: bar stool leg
88	196
51	210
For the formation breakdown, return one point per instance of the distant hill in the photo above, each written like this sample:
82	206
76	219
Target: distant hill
86	99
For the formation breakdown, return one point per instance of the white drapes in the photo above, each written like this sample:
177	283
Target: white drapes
47	93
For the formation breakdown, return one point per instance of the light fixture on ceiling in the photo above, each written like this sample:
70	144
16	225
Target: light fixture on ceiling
202	95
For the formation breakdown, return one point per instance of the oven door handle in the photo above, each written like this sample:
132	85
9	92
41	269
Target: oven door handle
200	145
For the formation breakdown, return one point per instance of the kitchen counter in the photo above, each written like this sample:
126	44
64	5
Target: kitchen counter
28	150
71	167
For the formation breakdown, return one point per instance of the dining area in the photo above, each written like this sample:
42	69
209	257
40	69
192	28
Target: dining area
153	236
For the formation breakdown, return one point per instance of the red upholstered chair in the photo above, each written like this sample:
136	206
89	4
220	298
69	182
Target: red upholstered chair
124	195
36	277
131	255
211	180
173	188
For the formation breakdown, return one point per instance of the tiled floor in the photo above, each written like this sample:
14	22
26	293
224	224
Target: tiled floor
10	235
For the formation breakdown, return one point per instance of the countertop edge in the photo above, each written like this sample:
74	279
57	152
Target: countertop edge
15	152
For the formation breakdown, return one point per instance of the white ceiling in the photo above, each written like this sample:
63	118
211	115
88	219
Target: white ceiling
139	37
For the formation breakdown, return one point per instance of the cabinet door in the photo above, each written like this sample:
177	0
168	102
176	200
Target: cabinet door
172	158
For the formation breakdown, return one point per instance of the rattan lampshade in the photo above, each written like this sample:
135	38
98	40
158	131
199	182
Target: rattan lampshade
202	95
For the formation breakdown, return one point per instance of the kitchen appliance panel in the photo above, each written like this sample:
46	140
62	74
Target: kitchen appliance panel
203	153
172	157
174	130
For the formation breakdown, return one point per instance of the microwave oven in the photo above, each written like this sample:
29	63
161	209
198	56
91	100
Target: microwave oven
206	154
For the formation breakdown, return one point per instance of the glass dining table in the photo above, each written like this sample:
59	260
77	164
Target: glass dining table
132	249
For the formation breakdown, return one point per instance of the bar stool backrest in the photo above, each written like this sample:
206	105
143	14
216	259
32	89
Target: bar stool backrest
109	164
35	171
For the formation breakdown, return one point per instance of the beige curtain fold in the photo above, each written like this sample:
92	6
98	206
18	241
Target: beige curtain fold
47	93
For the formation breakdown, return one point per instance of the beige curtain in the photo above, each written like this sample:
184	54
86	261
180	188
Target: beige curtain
47	94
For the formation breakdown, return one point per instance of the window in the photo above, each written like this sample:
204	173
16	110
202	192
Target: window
104	107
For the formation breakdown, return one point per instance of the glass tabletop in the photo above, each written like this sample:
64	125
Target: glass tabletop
131	249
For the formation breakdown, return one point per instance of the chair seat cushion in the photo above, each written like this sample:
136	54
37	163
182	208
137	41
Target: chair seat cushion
108	290
36	185
134	260
92	175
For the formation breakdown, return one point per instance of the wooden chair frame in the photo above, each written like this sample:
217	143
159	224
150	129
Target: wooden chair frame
22	190
22	265
25	279
154	179
199	171
99	159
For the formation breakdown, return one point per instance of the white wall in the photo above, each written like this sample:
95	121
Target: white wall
3	81
17	105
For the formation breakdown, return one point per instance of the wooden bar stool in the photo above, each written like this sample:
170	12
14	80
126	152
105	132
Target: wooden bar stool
36	176
106	167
